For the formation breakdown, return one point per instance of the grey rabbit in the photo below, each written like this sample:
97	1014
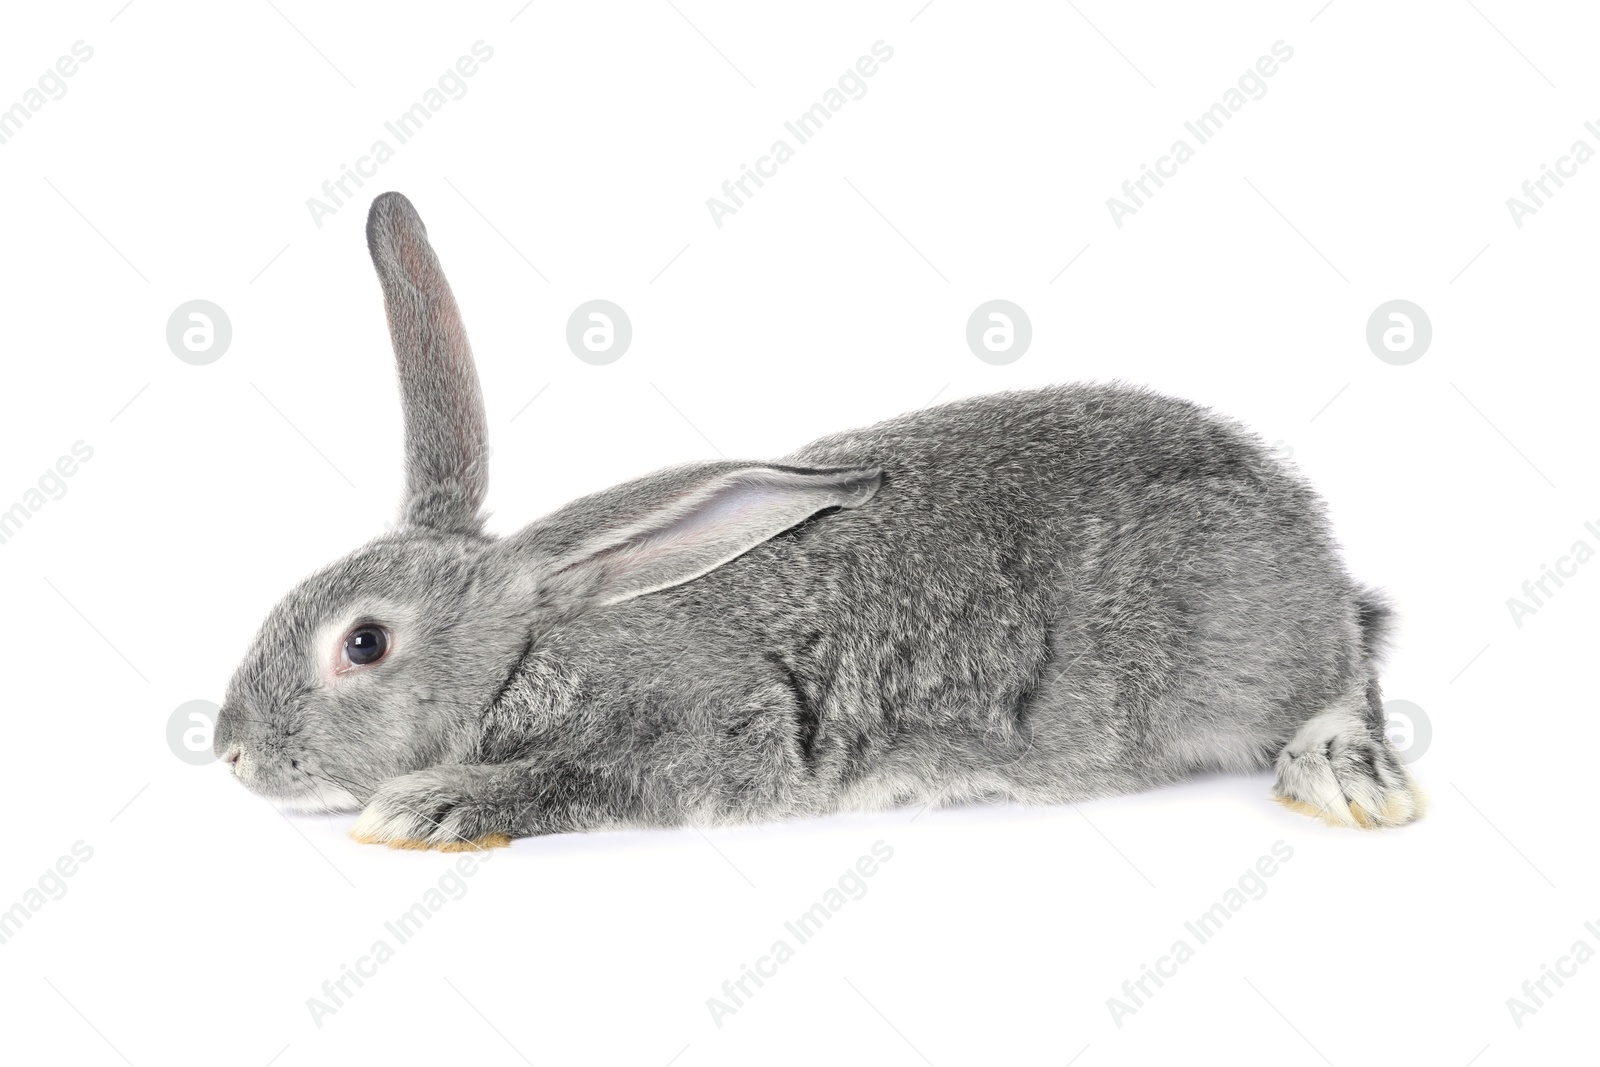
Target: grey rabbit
1039	597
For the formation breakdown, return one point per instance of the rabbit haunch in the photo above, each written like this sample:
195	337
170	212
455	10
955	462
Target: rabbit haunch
1038	596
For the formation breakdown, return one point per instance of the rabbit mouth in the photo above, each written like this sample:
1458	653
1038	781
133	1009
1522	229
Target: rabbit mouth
292	785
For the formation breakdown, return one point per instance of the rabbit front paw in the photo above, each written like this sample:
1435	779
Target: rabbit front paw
437	808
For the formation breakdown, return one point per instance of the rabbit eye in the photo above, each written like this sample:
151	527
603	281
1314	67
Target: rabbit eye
365	645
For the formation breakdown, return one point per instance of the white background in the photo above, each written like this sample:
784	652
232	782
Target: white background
1377	166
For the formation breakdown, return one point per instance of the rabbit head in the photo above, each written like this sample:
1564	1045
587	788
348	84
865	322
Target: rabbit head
385	662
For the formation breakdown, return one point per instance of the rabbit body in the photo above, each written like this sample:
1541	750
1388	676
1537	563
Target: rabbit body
1053	595
1035	596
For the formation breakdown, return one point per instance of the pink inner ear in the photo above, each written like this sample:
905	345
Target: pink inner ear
700	528
648	547
411	253
731	507
708	530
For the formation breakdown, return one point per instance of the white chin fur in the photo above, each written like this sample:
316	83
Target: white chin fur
328	798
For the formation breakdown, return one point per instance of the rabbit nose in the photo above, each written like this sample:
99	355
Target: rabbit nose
222	733
231	757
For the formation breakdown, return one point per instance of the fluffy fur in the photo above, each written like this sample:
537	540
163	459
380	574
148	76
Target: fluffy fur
1036	596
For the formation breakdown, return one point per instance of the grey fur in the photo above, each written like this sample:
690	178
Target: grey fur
1036	596
447	443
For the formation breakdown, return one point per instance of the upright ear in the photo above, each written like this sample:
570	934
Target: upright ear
446	434
710	522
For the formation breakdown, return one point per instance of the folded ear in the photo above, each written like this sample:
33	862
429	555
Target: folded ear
697	530
446	435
